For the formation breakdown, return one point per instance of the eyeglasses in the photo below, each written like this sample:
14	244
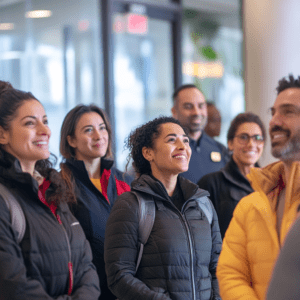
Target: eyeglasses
244	138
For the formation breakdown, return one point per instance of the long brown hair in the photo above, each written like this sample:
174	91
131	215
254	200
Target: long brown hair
69	126
10	101
68	129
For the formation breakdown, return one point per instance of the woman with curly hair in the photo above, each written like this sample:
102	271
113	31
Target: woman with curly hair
87	167
53	259
180	256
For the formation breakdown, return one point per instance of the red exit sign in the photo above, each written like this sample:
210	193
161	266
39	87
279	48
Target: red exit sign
137	24
132	23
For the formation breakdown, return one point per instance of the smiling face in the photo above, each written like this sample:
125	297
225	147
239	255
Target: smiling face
28	135
171	152
284	127
246	154
191	111
91	137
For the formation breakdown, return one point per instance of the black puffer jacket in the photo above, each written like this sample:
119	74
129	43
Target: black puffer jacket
180	257
226	188
92	209
37	268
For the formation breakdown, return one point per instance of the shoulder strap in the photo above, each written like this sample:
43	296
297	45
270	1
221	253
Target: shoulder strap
18	221
205	205
146	221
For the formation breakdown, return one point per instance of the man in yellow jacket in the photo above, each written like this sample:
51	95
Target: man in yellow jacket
262	219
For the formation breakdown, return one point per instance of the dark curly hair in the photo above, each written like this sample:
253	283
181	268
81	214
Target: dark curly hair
10	101
284	84
242	118
144	136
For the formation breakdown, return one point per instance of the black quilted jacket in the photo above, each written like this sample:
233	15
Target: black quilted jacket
37	268
92	210
180	258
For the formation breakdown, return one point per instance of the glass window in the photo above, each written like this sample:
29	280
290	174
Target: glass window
212	59
143	74
52	49
153	1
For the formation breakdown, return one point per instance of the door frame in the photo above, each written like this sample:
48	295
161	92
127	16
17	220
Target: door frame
171	12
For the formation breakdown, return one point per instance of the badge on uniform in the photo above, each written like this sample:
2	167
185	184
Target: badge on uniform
215	156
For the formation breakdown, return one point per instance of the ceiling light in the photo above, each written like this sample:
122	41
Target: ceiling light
6	26
35	14
204	69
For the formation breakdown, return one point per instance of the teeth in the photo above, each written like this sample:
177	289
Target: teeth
180	156
41	143
278	136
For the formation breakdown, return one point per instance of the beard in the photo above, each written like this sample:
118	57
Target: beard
290	150
197	127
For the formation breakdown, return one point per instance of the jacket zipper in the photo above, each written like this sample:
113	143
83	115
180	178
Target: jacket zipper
183	220
191	251
192	258
70	265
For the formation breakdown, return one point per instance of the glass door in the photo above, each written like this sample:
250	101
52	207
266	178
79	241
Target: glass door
143	69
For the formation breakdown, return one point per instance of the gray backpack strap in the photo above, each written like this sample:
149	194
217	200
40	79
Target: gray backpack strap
205	205
18	220
146	221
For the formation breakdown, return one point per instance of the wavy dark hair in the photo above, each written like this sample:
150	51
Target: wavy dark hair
10	102
242	118
291	82
144	136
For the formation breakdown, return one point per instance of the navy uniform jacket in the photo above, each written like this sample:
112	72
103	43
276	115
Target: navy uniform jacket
207	156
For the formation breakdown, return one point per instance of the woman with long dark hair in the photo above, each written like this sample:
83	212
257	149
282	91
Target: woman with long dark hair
53	259
85	144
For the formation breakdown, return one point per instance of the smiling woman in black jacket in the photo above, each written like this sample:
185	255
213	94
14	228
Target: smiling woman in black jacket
180	257
245	138
85	144
53	260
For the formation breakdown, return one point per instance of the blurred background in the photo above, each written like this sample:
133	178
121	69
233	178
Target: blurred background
129	56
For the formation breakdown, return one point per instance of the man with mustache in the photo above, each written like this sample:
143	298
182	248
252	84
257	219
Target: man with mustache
208	155
262	219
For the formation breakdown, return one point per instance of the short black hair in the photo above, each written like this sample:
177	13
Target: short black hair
242	118
144	136
183	87
210	104
284	84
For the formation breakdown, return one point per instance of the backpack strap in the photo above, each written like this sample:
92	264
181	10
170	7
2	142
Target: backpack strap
205	205
18	220
146	221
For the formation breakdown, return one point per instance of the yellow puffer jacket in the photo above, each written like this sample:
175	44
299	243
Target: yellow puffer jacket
251	242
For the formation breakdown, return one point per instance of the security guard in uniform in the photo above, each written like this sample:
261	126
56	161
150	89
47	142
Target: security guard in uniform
208	155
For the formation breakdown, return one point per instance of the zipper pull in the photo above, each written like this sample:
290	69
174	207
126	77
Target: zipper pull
71	279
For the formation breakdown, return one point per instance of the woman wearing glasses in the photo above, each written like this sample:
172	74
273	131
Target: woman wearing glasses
245	140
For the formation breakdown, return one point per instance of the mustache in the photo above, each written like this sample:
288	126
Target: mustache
197	117
277	128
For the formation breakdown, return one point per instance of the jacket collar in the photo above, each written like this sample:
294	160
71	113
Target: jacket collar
150	185
11	171
232	173
78	165
268	179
